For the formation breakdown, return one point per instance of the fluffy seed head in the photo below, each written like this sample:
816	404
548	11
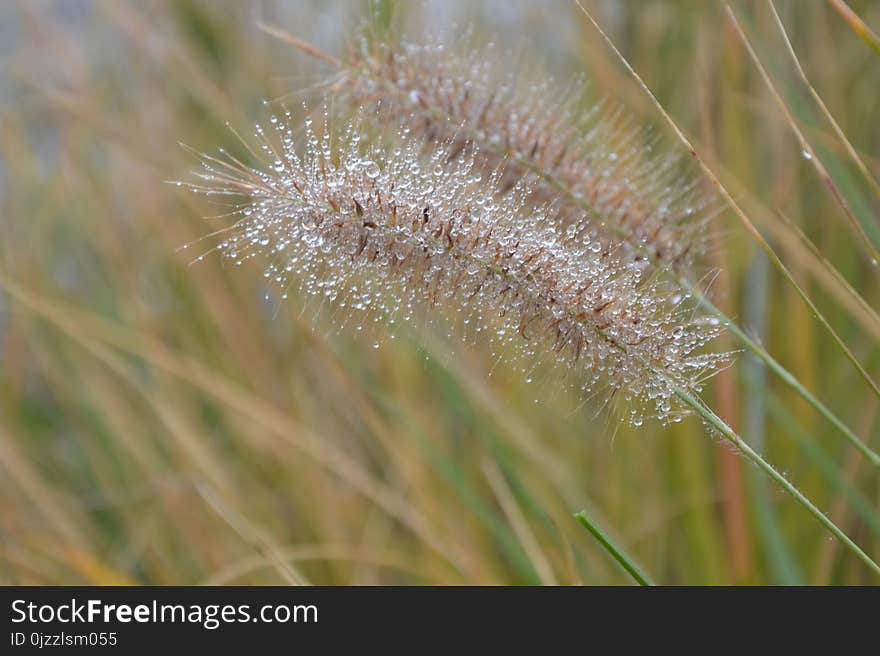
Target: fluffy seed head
407	229
590	162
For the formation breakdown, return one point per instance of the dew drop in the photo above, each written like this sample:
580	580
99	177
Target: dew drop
371	169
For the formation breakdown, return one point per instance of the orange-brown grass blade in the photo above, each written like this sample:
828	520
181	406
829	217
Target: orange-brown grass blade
857	160
307	48
808	149
857	25
87	330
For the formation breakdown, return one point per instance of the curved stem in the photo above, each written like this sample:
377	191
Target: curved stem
730	435
785	375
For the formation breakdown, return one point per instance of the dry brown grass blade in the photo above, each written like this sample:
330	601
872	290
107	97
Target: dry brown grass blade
810	153
857	25
799	247
307	48
830	277
216	481
52	503
257	537
518	522
741	215
851	151
85	328
351	553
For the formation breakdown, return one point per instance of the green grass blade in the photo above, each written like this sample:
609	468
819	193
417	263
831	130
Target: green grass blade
787	377
743	447
857	25
616	552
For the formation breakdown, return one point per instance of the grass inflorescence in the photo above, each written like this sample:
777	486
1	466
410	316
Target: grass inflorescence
588	158
418	225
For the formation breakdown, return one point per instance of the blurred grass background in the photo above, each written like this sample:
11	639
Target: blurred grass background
161	423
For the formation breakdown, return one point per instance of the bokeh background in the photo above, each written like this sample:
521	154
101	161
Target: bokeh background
162	423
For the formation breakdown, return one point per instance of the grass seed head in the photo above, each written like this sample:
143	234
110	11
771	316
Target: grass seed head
590	160
406	228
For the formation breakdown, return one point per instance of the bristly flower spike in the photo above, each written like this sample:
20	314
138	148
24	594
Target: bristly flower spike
584	160
405	228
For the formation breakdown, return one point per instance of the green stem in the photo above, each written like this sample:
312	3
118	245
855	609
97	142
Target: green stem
728	433
619	555
786	376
